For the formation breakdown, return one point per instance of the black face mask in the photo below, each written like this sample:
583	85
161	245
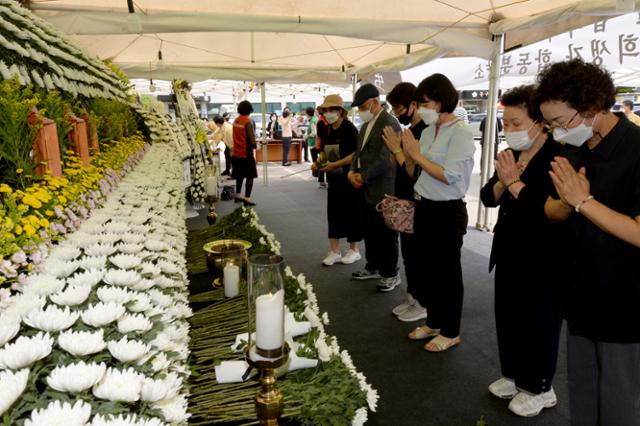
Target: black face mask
405	118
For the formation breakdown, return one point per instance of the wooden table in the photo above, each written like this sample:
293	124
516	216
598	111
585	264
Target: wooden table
274	150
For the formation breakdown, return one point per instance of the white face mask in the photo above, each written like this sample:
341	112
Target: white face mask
331	116
576	136
428	115
520	141
365	115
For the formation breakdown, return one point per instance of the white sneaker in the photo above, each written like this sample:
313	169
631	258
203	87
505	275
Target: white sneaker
503	388
331	258
399	310
350	257
526	405
413	313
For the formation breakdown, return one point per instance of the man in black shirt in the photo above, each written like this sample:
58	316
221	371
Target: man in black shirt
598	195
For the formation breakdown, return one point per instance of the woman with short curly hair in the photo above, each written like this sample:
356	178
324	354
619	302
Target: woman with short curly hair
597	194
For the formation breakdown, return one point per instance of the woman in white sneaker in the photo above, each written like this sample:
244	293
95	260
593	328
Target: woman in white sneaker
525	254
404	106
343	200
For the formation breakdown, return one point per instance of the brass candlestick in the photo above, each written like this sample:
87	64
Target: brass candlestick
269	399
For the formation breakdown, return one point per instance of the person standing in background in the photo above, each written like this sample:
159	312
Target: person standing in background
224	133
322	127
243	159
287	134
312	132
627	107
373	170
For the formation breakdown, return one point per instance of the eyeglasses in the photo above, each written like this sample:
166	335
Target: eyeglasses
556	125
399	110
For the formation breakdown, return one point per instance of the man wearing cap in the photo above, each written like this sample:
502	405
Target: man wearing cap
374	172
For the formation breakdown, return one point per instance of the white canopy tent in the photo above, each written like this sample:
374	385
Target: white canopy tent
302	40
306	41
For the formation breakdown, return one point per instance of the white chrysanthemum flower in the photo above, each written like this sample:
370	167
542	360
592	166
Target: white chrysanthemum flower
88	278
148	268
164	282
126	350
126	420
168	267
139	219
65	252
101	249
72	295
346	360
360	418
93	262
160	362
83	239
178	331
143	285
174	410
118	295
25	351
117	227
125	261
61	413
163	342
140	302
155	310
92	227
119	385
9	327
133	238
159	298
158	390
42	284
76	377
110	239
180	310
129	248
101	314
138	323
51	318
60	268
81	343
120	277
22	304
11	387
156	245
325	318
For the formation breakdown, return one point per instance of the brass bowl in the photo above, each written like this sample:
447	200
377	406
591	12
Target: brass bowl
214	252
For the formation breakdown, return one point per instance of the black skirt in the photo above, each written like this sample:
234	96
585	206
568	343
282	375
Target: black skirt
244	167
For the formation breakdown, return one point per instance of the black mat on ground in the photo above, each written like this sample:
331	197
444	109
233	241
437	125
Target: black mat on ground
415	387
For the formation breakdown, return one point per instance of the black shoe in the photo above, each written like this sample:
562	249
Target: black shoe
238	199
249	203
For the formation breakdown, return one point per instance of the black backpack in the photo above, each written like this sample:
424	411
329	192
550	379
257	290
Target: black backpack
228	193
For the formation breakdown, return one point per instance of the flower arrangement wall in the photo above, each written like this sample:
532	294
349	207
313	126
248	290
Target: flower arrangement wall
99	335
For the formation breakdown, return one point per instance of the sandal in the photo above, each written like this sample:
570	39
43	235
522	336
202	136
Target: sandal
441	343
424	332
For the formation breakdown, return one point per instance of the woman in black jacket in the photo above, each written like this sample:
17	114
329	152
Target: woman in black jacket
526	255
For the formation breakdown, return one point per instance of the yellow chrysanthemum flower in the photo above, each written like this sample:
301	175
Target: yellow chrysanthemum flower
29	230
49	213
5	188
31	201
44	222
18	230
42	195
18	171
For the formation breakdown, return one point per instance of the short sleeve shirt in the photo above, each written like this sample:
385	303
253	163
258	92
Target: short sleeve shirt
604	293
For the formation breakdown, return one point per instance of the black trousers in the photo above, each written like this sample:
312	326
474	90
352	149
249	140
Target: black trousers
380	242
604	382
314	157
440	227
286	145
305	150
528	322
411	257
227	159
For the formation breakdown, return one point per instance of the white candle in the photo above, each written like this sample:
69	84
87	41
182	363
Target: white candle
211	185
270	321
231	280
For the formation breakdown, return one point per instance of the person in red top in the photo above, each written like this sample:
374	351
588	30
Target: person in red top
243	160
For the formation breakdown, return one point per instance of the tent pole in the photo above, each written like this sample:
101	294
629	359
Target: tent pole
354	79
263	99
486	167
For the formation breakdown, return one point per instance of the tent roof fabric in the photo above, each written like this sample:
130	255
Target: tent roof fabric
302	40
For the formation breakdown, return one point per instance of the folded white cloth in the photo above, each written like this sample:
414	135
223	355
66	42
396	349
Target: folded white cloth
231	371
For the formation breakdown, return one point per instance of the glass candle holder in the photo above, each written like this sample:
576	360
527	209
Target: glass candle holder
232	260
266	305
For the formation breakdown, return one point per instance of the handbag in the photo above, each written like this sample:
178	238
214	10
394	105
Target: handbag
397	213
228	193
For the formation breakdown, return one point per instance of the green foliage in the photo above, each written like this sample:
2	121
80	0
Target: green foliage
117	71
113	119
55	105
16	136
